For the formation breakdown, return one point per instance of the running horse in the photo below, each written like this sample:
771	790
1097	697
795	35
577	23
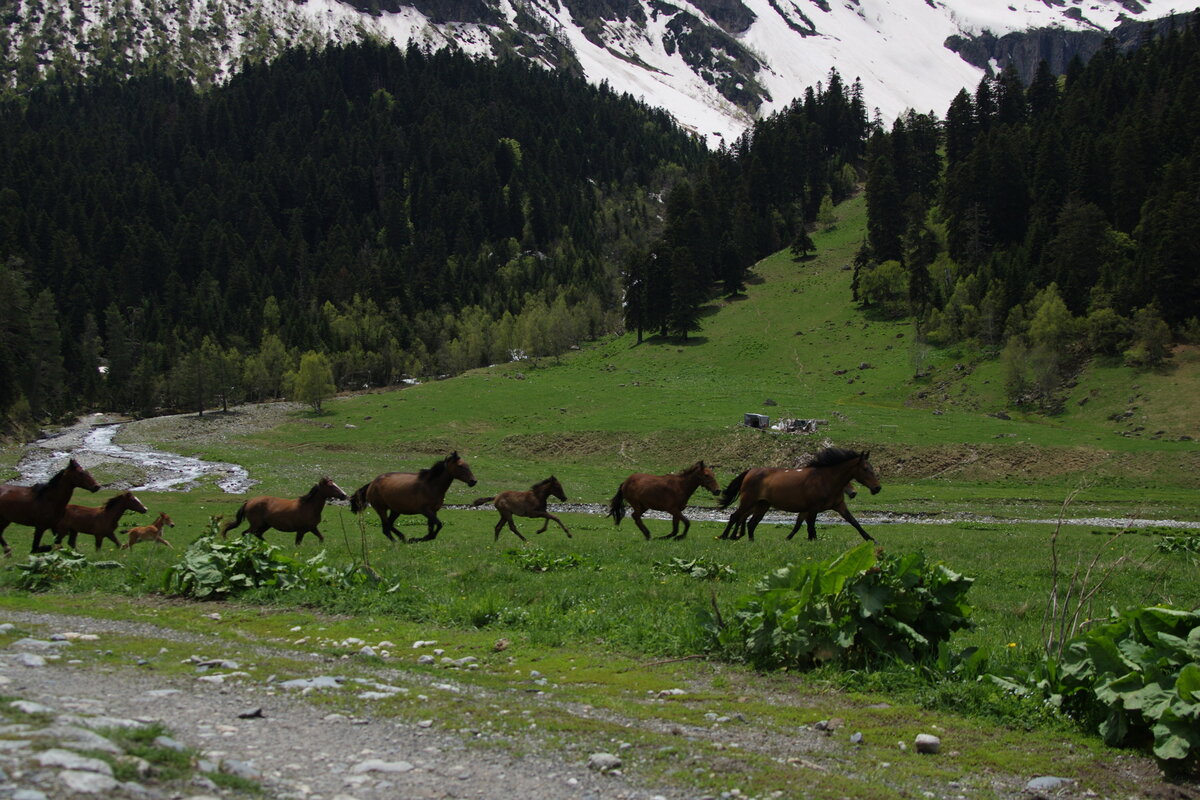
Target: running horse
668	493
394	493
42	505
299	516
819	486
150	533
531	503
99	522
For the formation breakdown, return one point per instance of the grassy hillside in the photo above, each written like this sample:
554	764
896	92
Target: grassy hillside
793	346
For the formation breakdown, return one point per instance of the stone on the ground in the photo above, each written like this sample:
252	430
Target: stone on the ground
379	765
928	744
57	757
603	762
1047	783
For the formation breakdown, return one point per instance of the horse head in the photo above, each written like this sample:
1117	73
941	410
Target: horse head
556	489
865	474
131	502
459	469
331	490
163	519
707	479
80	478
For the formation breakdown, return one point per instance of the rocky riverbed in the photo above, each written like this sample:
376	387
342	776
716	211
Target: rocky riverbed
62	736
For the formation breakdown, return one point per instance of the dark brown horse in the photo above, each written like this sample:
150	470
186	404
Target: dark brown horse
531	503
150	533
99	522
817	487
299	516
668	493
394	493
41	506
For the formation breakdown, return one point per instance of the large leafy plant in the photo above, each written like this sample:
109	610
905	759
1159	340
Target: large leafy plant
212	569
1136	677
700	568
859	608
44	570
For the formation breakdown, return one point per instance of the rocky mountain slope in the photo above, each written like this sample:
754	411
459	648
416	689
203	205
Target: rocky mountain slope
715	64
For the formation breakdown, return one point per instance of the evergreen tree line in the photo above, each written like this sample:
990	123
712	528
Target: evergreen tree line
745	202
400	212
1049	223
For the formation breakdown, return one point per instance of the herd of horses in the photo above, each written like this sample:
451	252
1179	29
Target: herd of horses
821	485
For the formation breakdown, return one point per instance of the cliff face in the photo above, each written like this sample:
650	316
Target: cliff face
1026	49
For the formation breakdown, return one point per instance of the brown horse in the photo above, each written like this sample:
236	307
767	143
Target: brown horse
150	533
668	493
299	516
527	504
41	506
99	522
394	493
817	487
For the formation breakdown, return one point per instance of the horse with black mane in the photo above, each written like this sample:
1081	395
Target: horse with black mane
530	503
42	505
394	493
668	493
807	491
299	516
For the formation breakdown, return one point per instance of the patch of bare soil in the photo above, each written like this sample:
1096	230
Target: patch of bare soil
213	426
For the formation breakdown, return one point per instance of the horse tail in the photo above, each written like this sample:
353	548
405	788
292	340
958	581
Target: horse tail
731	491
358	500
481	500
616	509
237	520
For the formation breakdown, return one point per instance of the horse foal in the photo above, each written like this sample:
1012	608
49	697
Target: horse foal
531	503
150	533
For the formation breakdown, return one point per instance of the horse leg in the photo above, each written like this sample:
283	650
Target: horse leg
812	526
388	518
674	527
111	535
499	527
4	544
434	524
38	547
796	527
687	524
760	511
549	517
729	526
512	527
636	516
846	515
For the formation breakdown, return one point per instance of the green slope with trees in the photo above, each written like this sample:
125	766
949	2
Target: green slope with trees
1060	231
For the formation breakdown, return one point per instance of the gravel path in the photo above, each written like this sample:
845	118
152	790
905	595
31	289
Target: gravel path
294	749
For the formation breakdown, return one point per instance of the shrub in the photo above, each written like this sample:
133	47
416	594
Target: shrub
535	559
43	570
212	570
1135	678
862	608
699	568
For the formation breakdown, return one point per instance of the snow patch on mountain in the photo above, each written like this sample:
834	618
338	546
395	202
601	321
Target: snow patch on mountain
715	76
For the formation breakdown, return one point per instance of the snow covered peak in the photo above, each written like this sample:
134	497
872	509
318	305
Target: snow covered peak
716	65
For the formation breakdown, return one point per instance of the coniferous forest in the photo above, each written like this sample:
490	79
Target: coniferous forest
402	213
1051	223
396	213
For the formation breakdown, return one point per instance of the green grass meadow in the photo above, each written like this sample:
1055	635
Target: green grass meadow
792	346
